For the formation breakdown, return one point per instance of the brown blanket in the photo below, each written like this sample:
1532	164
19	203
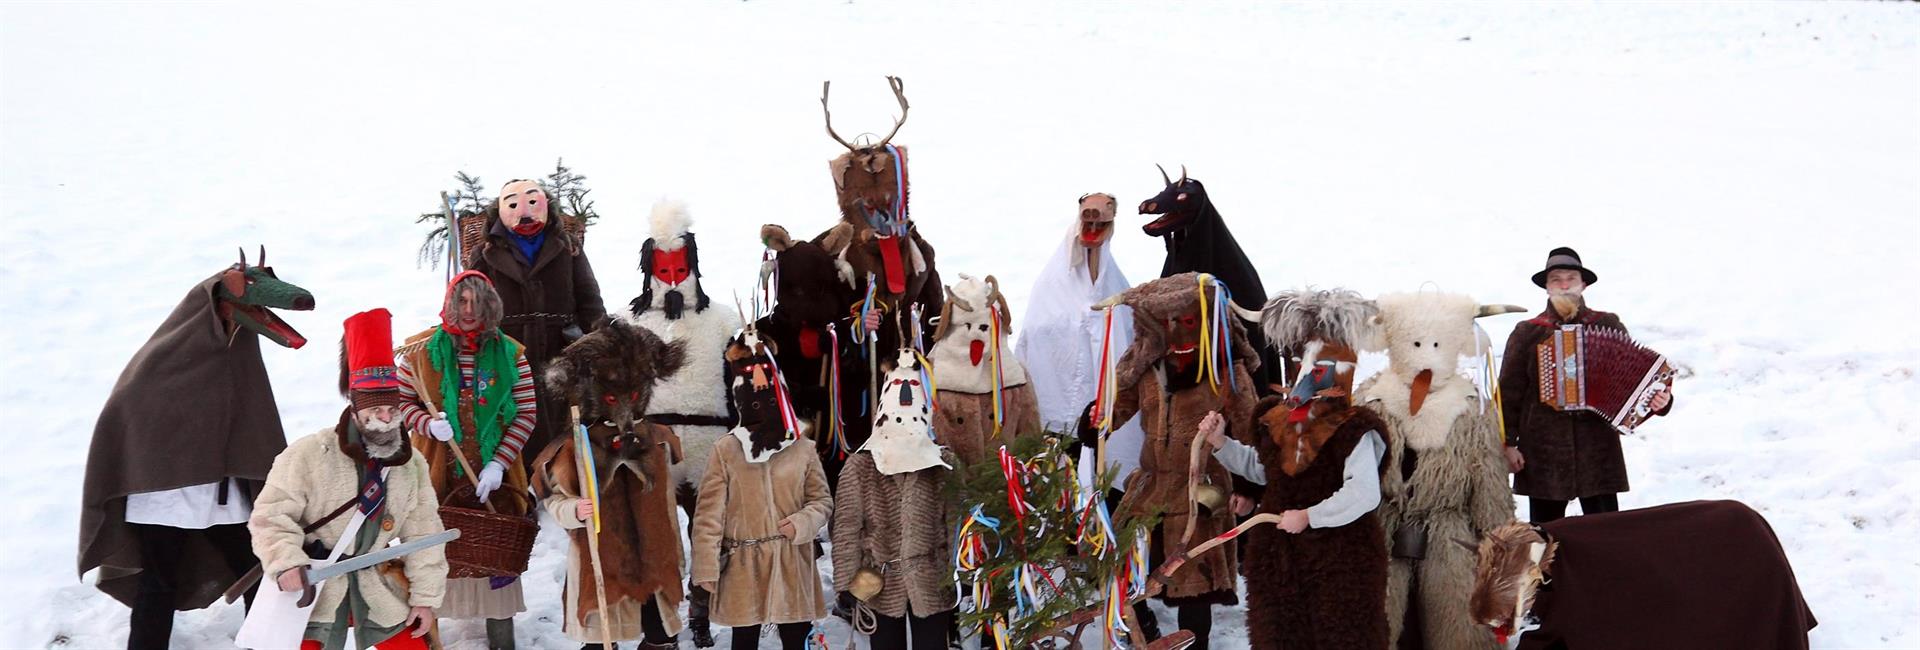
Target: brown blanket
188	409
1701	574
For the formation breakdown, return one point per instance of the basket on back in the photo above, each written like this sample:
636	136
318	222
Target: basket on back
1601	369
490	544
472	230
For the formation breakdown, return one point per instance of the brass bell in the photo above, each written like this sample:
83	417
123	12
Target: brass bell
866	583
1209	498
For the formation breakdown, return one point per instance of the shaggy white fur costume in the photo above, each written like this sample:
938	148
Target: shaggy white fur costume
1458	489
700	387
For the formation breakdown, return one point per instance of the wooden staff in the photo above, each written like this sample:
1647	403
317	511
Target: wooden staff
1159	577
581	458
458	456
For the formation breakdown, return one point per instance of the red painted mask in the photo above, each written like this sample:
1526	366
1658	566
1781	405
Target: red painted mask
671	267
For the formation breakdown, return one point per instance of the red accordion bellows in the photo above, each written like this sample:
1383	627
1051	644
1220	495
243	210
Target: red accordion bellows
1601	369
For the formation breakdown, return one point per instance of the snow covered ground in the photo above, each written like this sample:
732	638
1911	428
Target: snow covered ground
1740	174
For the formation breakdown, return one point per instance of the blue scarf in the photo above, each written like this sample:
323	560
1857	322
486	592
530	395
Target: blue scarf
528	246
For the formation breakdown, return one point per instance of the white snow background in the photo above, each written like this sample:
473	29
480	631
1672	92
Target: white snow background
1741	175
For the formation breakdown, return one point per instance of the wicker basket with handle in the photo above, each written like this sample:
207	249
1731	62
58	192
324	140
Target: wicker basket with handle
491	544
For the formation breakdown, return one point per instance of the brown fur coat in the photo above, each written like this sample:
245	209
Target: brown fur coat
639	535
1322	587
1170	422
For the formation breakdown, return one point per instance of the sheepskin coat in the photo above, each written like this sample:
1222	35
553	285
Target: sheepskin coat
693	400
1170	422
1321	587
900	525
639	536
312	478
769	580
1569	454
1444	475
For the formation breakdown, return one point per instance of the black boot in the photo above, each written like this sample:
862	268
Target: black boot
697	622
499	634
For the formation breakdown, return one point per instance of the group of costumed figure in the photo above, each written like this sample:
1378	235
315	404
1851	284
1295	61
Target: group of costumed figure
828	422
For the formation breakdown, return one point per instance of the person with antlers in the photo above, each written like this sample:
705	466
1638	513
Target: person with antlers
470	402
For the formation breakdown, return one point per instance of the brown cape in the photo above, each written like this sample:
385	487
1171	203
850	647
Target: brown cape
189	409
1700	574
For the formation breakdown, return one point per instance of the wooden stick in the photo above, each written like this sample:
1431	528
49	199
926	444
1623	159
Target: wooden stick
459	456
1172	564
580	461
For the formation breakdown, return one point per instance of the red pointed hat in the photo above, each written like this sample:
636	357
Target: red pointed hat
369	374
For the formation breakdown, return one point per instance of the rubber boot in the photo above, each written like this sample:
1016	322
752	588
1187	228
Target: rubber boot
499	634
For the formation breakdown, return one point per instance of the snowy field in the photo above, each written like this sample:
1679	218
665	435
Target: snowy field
1741	175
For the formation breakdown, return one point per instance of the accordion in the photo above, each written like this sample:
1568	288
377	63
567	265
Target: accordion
1600	369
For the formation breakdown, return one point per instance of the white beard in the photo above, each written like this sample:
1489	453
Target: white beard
382	440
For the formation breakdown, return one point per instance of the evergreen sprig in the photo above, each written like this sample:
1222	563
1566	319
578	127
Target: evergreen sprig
1044	537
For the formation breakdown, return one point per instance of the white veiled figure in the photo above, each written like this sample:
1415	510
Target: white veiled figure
1060	342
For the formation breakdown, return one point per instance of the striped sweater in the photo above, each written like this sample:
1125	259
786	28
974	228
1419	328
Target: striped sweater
513	439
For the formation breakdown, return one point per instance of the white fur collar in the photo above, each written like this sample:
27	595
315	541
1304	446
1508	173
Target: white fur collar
1449	397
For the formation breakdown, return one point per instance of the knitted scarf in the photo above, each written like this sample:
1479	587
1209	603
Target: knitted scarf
494	370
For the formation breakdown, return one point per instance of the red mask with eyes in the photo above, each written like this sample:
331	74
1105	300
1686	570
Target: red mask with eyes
1183	339
671	267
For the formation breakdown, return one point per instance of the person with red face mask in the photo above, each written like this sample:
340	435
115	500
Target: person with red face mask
547	289
481	391
1189	358
693	401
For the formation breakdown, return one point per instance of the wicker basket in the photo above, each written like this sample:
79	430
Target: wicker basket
490	544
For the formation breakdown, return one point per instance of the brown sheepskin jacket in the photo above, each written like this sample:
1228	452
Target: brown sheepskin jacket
759	577
900	525
964	422
1569	454
1170	422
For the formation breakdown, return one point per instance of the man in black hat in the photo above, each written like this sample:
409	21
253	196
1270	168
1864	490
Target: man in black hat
1558	456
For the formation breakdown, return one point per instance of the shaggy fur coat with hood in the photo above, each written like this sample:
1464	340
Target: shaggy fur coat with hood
1169	406
1445	478
312	478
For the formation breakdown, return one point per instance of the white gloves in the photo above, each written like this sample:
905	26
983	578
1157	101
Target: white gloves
440	429
490	479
